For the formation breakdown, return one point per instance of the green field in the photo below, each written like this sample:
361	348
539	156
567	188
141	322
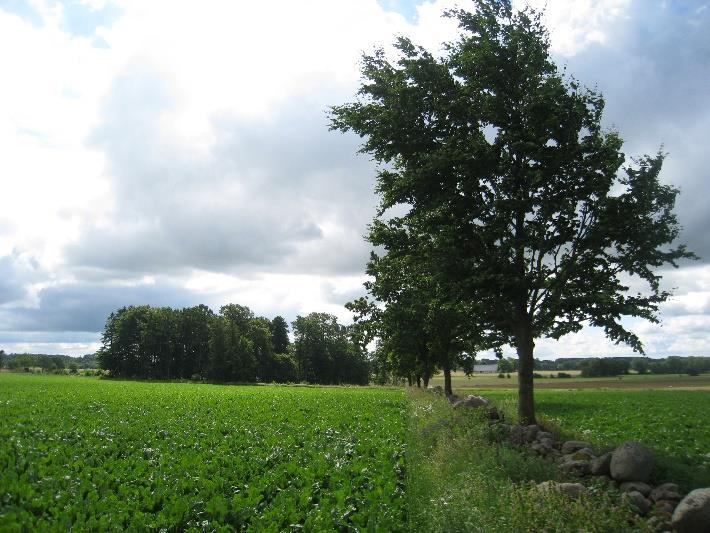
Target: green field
115	455
674	423
464	384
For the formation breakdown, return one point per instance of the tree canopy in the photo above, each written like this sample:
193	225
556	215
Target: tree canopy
517	200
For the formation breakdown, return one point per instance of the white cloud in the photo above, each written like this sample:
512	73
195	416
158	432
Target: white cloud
190	160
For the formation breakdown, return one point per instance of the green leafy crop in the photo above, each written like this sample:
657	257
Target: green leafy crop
114	455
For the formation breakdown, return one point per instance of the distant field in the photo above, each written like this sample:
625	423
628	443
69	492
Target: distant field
632	381
117	455
672	422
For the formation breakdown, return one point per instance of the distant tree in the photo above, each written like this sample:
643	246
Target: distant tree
607	366
325	353
2	358
641	366
502	162
507	365
279	334
73	368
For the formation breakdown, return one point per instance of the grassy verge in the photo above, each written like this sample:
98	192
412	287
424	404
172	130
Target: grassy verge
670	422
459	478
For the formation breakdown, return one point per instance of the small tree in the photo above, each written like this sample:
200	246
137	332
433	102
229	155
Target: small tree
501	162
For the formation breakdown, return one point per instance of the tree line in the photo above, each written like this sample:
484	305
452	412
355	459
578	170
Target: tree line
232	345
507	211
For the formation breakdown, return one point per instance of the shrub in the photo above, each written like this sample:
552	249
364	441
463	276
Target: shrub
563	375
501	375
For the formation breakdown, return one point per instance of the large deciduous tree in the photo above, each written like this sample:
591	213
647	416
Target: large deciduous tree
531	213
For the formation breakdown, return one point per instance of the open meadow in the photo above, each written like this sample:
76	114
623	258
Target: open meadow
104	455
669	413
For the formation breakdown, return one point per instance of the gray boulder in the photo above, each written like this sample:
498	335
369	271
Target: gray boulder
437	390
516	435
636	502
530	432
577	468
572	490
693	513
631	461
573	445
638	486
472	401
601	466
545	435
667	491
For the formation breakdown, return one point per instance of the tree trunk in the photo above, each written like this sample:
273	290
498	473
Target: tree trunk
447	381
409	380
419	381
525	345
426	379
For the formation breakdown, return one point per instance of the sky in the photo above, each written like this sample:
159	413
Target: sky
178	153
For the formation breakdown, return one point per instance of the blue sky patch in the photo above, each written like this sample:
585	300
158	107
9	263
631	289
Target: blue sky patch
81	20
24	10
406	8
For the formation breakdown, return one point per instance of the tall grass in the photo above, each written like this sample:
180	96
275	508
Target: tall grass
461	478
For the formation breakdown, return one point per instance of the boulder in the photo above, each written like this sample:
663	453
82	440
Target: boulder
660	522
437	390
540	448
494	414
693	513
578	468
636	502
585	454
572	490
600	466
638	486
472	401
631	461
667	491
516	435
664	507
573	445
530	432
545	435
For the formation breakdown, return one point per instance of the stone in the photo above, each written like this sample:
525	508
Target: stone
578	468
572	446
631	461
472	401
545	435
601	466
530	432
540	448
638	486
572	490
437	390
693	513
636	502
660	522
664	506
667	491
516	435
584	454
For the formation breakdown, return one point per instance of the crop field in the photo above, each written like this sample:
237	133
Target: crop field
674	423
111	455
463	383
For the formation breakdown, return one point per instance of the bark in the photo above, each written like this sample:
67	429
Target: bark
447	381
526	402
409	380
419	381
426	380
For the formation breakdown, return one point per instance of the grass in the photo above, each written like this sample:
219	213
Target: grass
100	455
460	479
671	422
468	385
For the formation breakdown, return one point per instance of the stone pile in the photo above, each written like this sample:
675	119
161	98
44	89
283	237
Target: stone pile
626	469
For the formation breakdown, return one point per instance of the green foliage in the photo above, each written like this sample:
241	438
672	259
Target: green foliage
671	422
233	346
598	367
516	202
460	478
97	455
326	353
